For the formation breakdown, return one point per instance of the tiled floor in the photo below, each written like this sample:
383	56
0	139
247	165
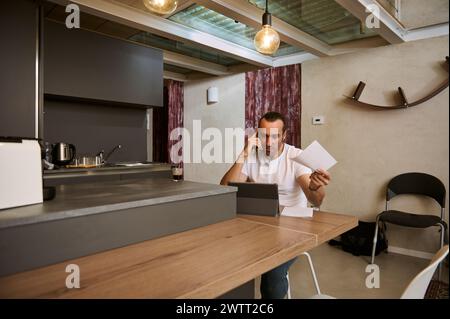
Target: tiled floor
343	275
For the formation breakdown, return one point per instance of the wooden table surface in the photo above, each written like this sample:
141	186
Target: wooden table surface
204	262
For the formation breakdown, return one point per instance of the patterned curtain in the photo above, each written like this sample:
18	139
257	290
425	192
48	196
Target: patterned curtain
166	119
175	108
275	89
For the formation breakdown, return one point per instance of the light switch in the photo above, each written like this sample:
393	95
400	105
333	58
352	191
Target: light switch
318	120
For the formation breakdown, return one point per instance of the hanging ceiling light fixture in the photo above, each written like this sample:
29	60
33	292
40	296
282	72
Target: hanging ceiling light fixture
267	40
161	7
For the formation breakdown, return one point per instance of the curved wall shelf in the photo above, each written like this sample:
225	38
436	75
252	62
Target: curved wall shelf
405	103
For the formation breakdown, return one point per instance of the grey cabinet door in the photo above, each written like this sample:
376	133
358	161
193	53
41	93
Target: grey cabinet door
86	65
18	33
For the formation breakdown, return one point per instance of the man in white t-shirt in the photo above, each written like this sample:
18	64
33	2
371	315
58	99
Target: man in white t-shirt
266	158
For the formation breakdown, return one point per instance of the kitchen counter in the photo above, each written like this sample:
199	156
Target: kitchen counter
92	217
86	199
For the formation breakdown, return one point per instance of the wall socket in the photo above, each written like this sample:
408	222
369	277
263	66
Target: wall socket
318	120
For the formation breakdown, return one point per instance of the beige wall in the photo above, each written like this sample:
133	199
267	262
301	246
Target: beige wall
372	146
227	113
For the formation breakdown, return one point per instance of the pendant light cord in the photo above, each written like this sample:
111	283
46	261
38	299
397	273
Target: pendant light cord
267	17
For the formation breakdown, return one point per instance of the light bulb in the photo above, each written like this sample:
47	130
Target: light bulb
161	7
267	40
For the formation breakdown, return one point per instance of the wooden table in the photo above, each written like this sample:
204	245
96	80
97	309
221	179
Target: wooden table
201	263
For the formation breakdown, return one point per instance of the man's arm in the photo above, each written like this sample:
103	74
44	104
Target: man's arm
234	174
313	185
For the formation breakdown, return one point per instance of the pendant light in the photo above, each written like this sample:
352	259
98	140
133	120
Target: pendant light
267	40
161	7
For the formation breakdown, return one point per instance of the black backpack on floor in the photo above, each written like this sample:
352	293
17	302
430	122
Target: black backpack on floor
359	240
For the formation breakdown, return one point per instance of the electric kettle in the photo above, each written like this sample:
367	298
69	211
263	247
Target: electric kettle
63	153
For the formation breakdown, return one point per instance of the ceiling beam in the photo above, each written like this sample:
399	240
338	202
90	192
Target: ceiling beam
357	45
148	22
428	32
242	68
390	29
198	76
250	15
174	76
194	64
297	58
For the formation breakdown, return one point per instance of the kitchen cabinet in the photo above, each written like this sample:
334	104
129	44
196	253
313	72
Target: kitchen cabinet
18	31
84	65
80	180
105	178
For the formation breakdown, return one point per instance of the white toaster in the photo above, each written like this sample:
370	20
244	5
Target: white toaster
20	172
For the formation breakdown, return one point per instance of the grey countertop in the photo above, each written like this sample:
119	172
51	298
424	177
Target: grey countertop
107	170
94	198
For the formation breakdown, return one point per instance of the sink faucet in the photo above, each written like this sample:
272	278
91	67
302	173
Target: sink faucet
104	158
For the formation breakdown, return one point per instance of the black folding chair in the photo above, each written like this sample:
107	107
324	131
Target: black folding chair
415	184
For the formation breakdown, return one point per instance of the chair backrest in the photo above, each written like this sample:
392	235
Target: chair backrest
419	184
418	286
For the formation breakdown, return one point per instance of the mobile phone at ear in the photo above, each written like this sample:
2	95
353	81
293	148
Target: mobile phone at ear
256	146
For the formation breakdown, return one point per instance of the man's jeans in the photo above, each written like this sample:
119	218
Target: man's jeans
274	284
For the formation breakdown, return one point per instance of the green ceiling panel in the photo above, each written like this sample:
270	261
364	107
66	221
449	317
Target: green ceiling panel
323	19
176	69
208	21
182	48
203	19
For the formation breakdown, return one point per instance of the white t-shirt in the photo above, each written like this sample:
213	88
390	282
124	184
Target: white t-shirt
282	171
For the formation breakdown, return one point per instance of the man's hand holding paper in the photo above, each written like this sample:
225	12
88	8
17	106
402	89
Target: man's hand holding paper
315	157
319	160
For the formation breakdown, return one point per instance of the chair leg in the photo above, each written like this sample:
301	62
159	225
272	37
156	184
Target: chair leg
313	272
442	245
289	287
375	238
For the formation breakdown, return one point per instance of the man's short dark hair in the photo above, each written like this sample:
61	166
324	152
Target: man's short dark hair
272	117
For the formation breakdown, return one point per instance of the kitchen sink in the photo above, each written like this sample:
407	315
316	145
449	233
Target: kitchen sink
128	164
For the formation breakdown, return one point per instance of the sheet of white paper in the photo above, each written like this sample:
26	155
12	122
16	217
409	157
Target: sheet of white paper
297	211
315	157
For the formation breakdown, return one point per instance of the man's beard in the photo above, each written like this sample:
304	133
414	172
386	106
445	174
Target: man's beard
272	152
